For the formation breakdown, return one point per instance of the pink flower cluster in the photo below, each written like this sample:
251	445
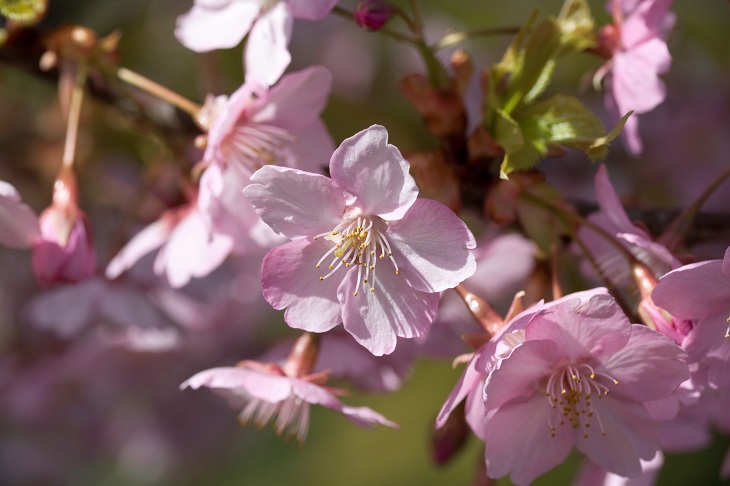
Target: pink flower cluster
569	373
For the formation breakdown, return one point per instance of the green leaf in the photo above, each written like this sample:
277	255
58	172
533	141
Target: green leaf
507	132
532	63
577	25
558	121
526	157
23	10
599	149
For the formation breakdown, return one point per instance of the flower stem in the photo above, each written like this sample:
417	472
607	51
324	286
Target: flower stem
674	235
302	356
454	38
145	84
74	115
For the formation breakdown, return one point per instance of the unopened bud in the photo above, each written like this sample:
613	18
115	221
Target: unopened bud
302	356
373	14
64	253
448	440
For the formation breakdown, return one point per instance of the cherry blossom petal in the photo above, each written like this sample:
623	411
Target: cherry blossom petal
191	251
636	83
313	147
466	384
707	342
597	328
311	9
433	244
18	223
144	242
295	203
647	354
516	377
295	101
518	441
693	290
267	53
205	28
393	309
592	475
264	386
630	434
611	206
373	171
223	205
644	21
289	280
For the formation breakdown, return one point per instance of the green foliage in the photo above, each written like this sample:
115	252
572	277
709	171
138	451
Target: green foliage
526	127
25	11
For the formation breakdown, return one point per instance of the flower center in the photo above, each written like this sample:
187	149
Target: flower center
570	391
256	145
358	240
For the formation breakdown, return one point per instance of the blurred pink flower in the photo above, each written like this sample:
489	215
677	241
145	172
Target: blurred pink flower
64	252
257	126
215	24
118	312
639	55
581	378
187	246
345	359
265	392
367	212
60	238
613	219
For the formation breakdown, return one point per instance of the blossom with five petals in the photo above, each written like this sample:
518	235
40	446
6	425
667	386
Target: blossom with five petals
573	372
364	251
266	391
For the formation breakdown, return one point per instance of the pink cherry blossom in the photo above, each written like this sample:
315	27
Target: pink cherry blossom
580	378
281	125
265	392
341	228
215	24
483	361
187	246
701	292
640	55
612	218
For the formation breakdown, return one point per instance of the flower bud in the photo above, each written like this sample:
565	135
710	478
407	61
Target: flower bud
373	14
448	440
64	252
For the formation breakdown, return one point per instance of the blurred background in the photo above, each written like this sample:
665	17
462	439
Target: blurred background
74	413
